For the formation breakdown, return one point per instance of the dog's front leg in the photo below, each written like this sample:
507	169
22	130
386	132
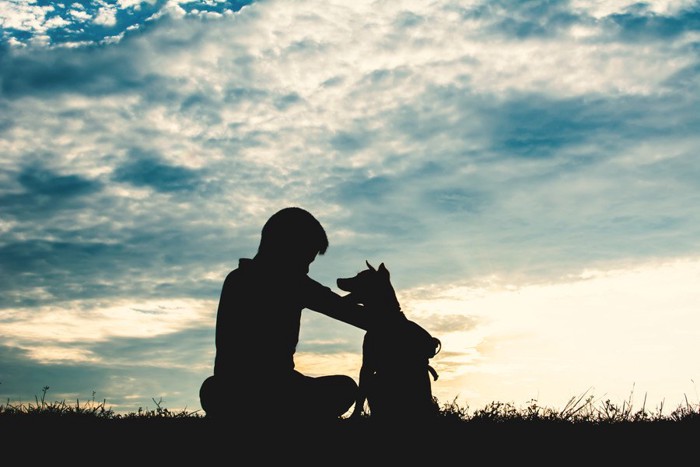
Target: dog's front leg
359	406
361	394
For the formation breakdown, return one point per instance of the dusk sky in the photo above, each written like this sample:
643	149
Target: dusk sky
528	171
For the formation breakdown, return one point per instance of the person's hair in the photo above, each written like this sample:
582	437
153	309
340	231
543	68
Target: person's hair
292	228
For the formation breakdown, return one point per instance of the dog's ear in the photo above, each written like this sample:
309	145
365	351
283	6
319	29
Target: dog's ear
371	268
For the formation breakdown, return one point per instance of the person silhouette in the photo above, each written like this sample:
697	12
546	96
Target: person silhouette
257	329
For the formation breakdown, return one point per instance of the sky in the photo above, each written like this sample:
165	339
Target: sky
527	171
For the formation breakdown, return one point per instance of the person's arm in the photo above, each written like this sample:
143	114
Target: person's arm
323	300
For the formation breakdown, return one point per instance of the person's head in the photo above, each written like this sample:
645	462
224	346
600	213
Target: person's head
292	237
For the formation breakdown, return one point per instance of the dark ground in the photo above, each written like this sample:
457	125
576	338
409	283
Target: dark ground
181	441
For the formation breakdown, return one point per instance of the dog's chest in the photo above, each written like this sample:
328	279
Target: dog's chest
388	349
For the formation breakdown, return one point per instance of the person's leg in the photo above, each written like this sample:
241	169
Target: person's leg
325	397
215	398
208	396
335	393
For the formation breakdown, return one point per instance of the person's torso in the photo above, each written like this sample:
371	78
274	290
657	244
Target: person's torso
258	320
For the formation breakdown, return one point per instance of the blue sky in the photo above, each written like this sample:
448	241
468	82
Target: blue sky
527	171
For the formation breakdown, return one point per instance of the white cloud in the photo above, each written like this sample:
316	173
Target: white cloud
56	22
106	16
80	14
24	16
136	4
171	8
88	321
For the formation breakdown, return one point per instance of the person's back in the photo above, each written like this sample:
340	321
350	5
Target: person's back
257	323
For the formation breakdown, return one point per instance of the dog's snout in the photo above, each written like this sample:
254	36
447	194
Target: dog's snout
342	284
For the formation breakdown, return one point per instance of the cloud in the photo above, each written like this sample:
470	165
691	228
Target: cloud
74	24
78	71
42	192
70	379
256	131
106	16
456	200
148	170
369	189
641	23
524	20
144	370
538	126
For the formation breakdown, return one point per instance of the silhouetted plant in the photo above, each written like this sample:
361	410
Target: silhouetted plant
44	408
581	409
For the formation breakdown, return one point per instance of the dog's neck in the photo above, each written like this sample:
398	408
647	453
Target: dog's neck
387	302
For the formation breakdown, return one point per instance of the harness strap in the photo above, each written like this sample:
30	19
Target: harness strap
433	372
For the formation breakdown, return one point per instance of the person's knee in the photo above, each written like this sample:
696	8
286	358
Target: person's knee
347	391
349	386
210	396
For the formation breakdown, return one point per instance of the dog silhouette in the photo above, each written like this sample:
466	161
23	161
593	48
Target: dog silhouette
395	376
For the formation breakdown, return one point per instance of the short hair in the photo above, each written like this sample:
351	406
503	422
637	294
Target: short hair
292	228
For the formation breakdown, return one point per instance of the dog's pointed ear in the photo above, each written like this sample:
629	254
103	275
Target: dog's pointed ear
383	269
371	268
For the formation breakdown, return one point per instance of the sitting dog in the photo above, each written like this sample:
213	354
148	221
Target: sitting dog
395	373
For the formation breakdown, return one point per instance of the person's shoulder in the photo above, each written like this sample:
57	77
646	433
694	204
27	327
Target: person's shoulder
244	265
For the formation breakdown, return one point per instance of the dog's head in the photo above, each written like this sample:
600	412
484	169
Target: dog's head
370	286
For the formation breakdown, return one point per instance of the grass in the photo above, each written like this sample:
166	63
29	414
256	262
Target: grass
581	410
92	410
500	431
